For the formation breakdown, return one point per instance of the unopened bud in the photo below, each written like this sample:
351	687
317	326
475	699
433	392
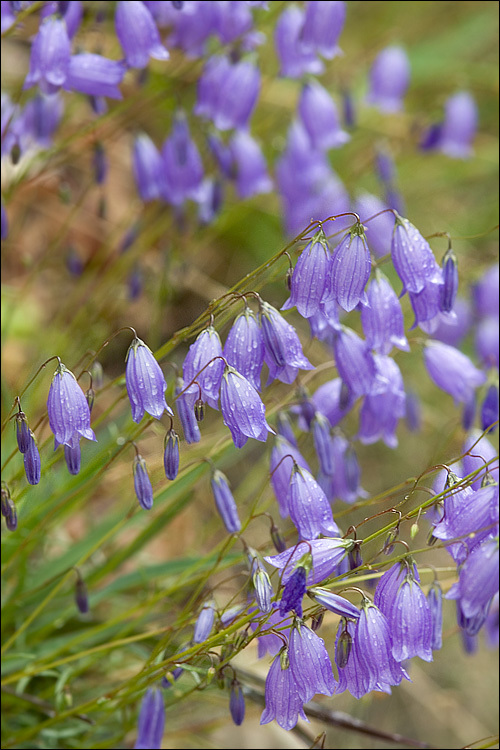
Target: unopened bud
288	279
22	432
343	649
391	537
277	539
90	396
414	530
237	703
97	373
15	153
81	595
317	620
199	410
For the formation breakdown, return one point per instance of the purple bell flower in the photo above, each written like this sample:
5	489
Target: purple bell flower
452	371
32	463
347	474
186	415
142	483
310	663
244	347
333	602
283	457
381	411
50	55
151	721
293	592
145	382
147	167
382	318
182	165
237	97
323	24
210	83
283	355
69	413
483	452
489	408
323	444
389	79
413	258
333	400
355	363
206	348
295	59
252	177
308	506
435	601
320	118
94	75
326	555
73	458
171	454
283	702
450	278
413	412
23	432
138	35
285	428
309	279
242	408
427	308
234	19
72	13
204	622
237	703
486	293
225	502
350	268
451	330
459	127
192	26
487	341
378	231
478	580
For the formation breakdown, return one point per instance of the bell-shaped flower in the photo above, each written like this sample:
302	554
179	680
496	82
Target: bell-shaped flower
237	96
452	371
345	481
252	177
206	348
322	439
191	27
147	166
283	457
244	347
94	75
145	382
427	307
225	502
381	411
478	580
294	58
262	587
323	24
137	33
309	278
334	400
283	702
50	56
319	116
326	555
389	79
435	600
32	463
182	165
449	288
186	415
171	454
486	293
151	721
73	458
23	431
310	663
210	84
242	408
204	622
452	330
355	363
489	408
237	703
71	12
350	268
142	483
487	341
283	355
309	508
413	258
69	413
378	231
459	127
382	318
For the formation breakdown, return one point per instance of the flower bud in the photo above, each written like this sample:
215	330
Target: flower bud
204	623
97	373
489	408
355	559
5	498
237	703
81	595
22	432
32	464
449	289
199	410
90	396
277	539
343	649
8	509
317	620
263	589
171	454
142	483
73	458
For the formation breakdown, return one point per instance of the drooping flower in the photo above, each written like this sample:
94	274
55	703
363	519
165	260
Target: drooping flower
73	457
283	355
413	258
171	454
322	438
478	580
69	413
242	408
283	457
326	555
334	400
206	348
389	79
309	278
486	293
294	57
151	721
225	502
283	702
319	116
32	463
334	602
50	55
204	622
381	411
350	269
452	371
81	595
94	75
378	231
186	415
459	127
182	165
236	96
450	278
145	382
310	663
22	431
252	177
142	483
137	33
244	347
262	587
147	166
323	24
355	363
237	703
435	600
308	506
382	318
489	408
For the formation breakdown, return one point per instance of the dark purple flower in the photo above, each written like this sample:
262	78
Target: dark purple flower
252	177
171	454
308	506
326	555
242	408
378	231
389	79
319	116
283	456
81	595
73	457
382	410
50	55
22	432
142	483
355	363
452	371
204	622
333	400
225	502
295	59
335	603
137	33
293	592
94	75
322	27
244	347
145	382
182	165
489	408
151	721
459	126
350	269
309	279
413	258
450	278
69	413
32	464
186	415
283	702
237	703
284	355
148	168
322	438
478	581
435	601
382	318
310	663
100	163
